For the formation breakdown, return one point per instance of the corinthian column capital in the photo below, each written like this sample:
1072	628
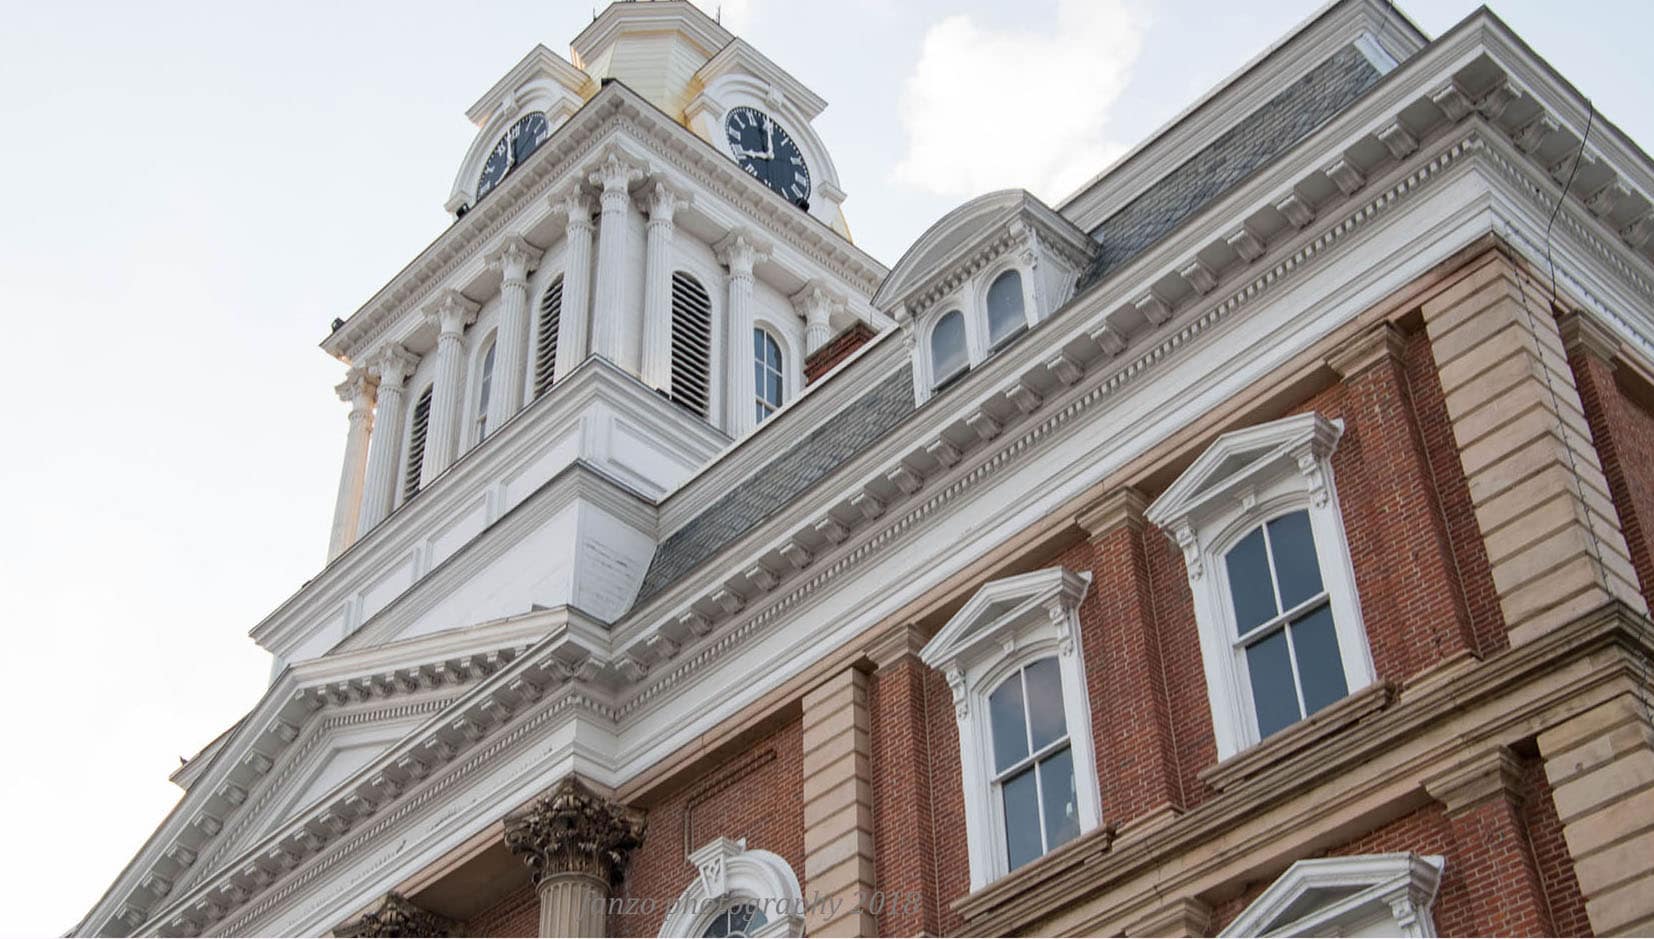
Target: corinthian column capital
575	831
396	916
393	365
740	253
451	311
614	174
358	390
513	258
664	201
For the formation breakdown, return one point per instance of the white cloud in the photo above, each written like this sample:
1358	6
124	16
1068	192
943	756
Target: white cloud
989	109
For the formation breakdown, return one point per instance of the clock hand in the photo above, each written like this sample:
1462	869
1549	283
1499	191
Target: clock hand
769	138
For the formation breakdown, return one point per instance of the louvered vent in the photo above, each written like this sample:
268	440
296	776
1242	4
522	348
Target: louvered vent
416	445
551	320
691	344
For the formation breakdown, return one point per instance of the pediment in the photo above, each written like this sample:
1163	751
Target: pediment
541	71
1240	456
1328	896
1000	607
966	230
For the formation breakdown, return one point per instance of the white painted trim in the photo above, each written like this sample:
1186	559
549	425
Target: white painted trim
1400	886
727	873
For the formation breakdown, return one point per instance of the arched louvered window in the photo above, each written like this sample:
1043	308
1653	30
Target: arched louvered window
1005	308
766	366
947	348
691	344
416	445
545	354
485	388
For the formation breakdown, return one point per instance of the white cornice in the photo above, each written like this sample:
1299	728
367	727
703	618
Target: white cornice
539	63
738	55
623	16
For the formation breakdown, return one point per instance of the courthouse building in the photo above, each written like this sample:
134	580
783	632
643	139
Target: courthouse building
1258	541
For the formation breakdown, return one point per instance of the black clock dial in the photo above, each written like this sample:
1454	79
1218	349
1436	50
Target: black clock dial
518	144
499	163
765	149
526	136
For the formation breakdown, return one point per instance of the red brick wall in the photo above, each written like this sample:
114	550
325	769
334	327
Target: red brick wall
1624	434
836	350
516	914
903	823
756	794
1550	854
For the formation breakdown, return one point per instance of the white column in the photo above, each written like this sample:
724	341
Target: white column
359	389
610	336
451	312
815	303
739	254
572	331
392	366
657	287
512	259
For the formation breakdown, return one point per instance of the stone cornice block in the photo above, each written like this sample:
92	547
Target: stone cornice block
1377	344
895	644
1122	507
1583	332
1492	773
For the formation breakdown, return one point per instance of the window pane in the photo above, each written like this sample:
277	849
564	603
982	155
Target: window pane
1005	310
774	388
1062	803
1022	820
1296	569
758	344
1045	714
1005	717
947	345
1249	584
1272	691
1320	667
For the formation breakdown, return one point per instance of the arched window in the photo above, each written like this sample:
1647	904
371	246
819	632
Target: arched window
947	347
691	344
1006	316
485	387
767	380
737	893
1033	771
737	919
551	321
417	431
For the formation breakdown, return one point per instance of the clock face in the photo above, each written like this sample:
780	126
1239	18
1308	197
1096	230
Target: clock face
768	152
518	144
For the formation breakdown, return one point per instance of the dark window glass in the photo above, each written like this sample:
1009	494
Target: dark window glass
1320	668
1022	821
1062	802
1273	693
947	346
1045	713
1249	583
1005	716
1005	308
1293	546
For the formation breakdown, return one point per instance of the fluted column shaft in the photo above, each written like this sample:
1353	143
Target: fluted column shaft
573	904
611	337
392	367
360	389
451	312
574	327
739	254
657	288
512	260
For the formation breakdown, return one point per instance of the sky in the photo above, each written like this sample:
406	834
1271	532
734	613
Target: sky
202	186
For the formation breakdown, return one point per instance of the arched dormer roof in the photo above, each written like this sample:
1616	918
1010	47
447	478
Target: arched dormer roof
972	235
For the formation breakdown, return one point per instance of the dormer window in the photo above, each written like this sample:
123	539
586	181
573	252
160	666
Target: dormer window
1007	314
1280	625
1012	658
949	354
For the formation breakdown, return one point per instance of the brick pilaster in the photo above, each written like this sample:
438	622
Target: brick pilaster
903	823
838	808
1483	802
1601	768
1552	535
1136	760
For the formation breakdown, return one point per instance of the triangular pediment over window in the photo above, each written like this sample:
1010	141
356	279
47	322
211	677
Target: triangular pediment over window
1365	895
992	616
1237	460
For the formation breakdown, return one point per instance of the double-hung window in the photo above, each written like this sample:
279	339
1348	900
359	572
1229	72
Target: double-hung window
1280	626
1012	658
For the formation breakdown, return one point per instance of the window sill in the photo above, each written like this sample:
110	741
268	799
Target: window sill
1075	854
1300	736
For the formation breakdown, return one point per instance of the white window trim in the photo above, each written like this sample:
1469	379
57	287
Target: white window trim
975	655
1404	885
986	281
1291	468
729	873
